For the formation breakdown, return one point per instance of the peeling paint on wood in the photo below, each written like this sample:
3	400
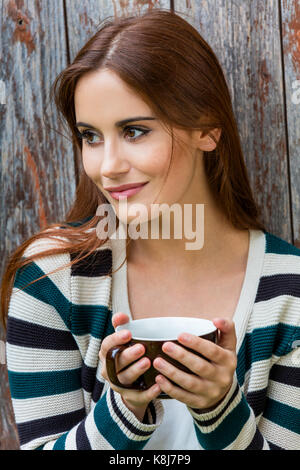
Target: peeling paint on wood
22	31
291	31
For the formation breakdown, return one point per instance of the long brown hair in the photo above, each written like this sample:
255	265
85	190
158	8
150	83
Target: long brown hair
167	62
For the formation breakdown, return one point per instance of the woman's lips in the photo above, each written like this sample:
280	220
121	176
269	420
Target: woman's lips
126	192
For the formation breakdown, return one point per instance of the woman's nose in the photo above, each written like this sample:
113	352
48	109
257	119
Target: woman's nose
114	161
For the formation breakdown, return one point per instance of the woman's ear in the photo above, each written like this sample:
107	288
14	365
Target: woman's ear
206	143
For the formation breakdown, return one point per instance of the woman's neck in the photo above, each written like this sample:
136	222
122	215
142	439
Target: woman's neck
221	244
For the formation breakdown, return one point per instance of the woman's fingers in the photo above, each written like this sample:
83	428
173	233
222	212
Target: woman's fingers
206	348
220	353
185	380
128	365
197	365
114	340
138	397
119	318
129	355
133	372
227	338
180	394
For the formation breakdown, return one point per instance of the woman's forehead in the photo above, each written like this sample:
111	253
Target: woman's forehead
104	93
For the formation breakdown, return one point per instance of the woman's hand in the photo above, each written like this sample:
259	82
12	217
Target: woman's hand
212	380
137	401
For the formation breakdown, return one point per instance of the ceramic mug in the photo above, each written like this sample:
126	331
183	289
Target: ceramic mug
153	333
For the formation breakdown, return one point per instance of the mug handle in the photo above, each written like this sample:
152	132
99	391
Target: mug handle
111	357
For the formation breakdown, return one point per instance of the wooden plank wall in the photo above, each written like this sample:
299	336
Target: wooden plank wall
36	162
290	30
258	45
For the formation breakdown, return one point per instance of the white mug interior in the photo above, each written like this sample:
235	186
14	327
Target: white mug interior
167	328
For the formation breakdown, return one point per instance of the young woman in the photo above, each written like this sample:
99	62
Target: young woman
148	105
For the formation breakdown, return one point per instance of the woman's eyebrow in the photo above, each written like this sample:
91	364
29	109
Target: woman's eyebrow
119	123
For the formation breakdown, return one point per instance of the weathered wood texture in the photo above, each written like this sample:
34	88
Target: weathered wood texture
246	37
84	18
290	13
258	45
37	164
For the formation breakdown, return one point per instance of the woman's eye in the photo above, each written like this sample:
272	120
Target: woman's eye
88	136
129	131
132	131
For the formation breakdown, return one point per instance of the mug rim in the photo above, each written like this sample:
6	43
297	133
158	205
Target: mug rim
209	327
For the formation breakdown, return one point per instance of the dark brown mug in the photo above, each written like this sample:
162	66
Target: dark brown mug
153	333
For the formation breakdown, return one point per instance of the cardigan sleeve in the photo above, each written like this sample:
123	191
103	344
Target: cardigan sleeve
232	425
44	369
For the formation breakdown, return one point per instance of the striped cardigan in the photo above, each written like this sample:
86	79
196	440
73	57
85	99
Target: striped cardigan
61	401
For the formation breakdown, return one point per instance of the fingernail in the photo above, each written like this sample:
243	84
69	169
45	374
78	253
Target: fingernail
160	379
138	348
144	363
169	347
185	337
124	334
159	363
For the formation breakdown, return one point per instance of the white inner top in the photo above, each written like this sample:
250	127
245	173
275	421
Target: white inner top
177	432
167	328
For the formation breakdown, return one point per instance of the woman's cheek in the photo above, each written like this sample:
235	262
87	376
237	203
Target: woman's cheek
153	159
91	166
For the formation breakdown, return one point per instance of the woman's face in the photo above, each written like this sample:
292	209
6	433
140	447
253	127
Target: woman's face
139	151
